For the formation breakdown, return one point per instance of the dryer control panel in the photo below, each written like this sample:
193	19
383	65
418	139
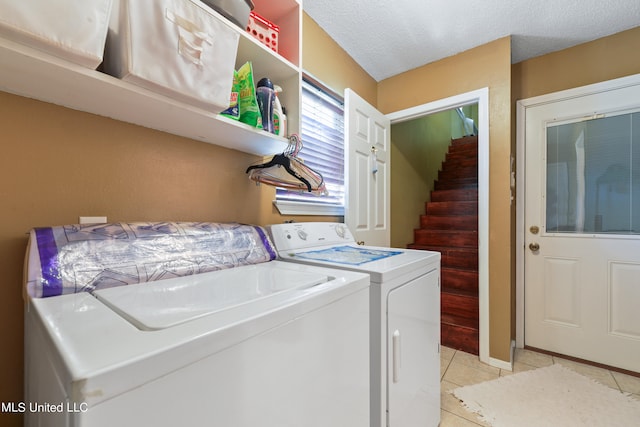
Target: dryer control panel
302	235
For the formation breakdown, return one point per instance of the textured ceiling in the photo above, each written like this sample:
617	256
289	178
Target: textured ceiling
389	37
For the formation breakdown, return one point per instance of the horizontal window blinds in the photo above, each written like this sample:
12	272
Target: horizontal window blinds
322	134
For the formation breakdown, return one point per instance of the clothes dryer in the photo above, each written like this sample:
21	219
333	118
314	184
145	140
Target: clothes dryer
405	316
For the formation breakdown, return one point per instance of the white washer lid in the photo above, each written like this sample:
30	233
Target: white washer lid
167	303
382	269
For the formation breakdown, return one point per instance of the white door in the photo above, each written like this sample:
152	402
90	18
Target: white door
582	227
367	163
413	353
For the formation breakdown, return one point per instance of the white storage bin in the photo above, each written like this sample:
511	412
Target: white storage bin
71	29
178	48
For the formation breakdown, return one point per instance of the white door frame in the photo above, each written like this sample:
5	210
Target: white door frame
481	97
521	110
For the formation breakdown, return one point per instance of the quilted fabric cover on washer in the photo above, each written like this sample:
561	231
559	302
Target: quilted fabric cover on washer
78	258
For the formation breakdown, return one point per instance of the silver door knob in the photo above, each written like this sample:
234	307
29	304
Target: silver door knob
534	247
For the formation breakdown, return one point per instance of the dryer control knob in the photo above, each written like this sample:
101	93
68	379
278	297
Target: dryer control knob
340	230
302	234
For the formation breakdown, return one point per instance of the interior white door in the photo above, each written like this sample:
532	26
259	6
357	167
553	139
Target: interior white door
413	353
367	174
582	227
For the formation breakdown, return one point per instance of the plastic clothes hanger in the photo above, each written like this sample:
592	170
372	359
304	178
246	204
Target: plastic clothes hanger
287	171
279	160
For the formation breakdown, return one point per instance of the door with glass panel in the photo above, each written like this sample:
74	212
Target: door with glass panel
582	220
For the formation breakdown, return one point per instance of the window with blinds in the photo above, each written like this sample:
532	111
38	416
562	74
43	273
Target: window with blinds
322	134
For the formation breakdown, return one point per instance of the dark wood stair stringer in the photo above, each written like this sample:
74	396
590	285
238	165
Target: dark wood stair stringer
450	226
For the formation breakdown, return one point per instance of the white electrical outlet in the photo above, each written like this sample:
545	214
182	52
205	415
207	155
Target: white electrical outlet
93	219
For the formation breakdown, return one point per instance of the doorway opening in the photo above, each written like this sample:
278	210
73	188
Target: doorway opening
481	98
436	168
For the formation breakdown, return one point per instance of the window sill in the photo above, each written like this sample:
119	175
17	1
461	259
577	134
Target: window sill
306	208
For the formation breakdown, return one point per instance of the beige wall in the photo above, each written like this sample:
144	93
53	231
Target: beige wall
485	66
600	60
58	164
330	64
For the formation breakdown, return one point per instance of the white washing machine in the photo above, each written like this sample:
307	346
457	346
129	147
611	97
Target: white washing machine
405	316
271	344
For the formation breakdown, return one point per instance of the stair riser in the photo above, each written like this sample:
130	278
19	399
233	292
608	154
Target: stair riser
467	164
463	308
452	208
466	185
460	280
460	258
470	170
460	338
454	195
457	174
464	142
464	222
459	310
458	184
461	148
451	239
466	150
460	159
472	139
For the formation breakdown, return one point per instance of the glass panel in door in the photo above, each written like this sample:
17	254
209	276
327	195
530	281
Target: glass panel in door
593	176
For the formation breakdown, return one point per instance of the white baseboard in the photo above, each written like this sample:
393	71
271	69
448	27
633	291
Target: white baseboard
502	364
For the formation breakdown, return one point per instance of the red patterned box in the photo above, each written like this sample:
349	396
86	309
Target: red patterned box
264	30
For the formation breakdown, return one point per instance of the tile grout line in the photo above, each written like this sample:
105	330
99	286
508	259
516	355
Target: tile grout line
615	381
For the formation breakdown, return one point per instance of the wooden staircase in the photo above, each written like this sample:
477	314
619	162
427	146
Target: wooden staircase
450	226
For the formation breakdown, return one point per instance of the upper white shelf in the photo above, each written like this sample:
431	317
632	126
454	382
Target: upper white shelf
35	74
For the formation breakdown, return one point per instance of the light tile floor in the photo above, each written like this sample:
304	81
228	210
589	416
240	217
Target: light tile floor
459	369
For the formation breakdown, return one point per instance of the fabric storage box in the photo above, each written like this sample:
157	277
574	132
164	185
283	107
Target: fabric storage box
178	48
74	30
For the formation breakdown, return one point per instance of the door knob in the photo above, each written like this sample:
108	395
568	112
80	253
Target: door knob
360	242
534	247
